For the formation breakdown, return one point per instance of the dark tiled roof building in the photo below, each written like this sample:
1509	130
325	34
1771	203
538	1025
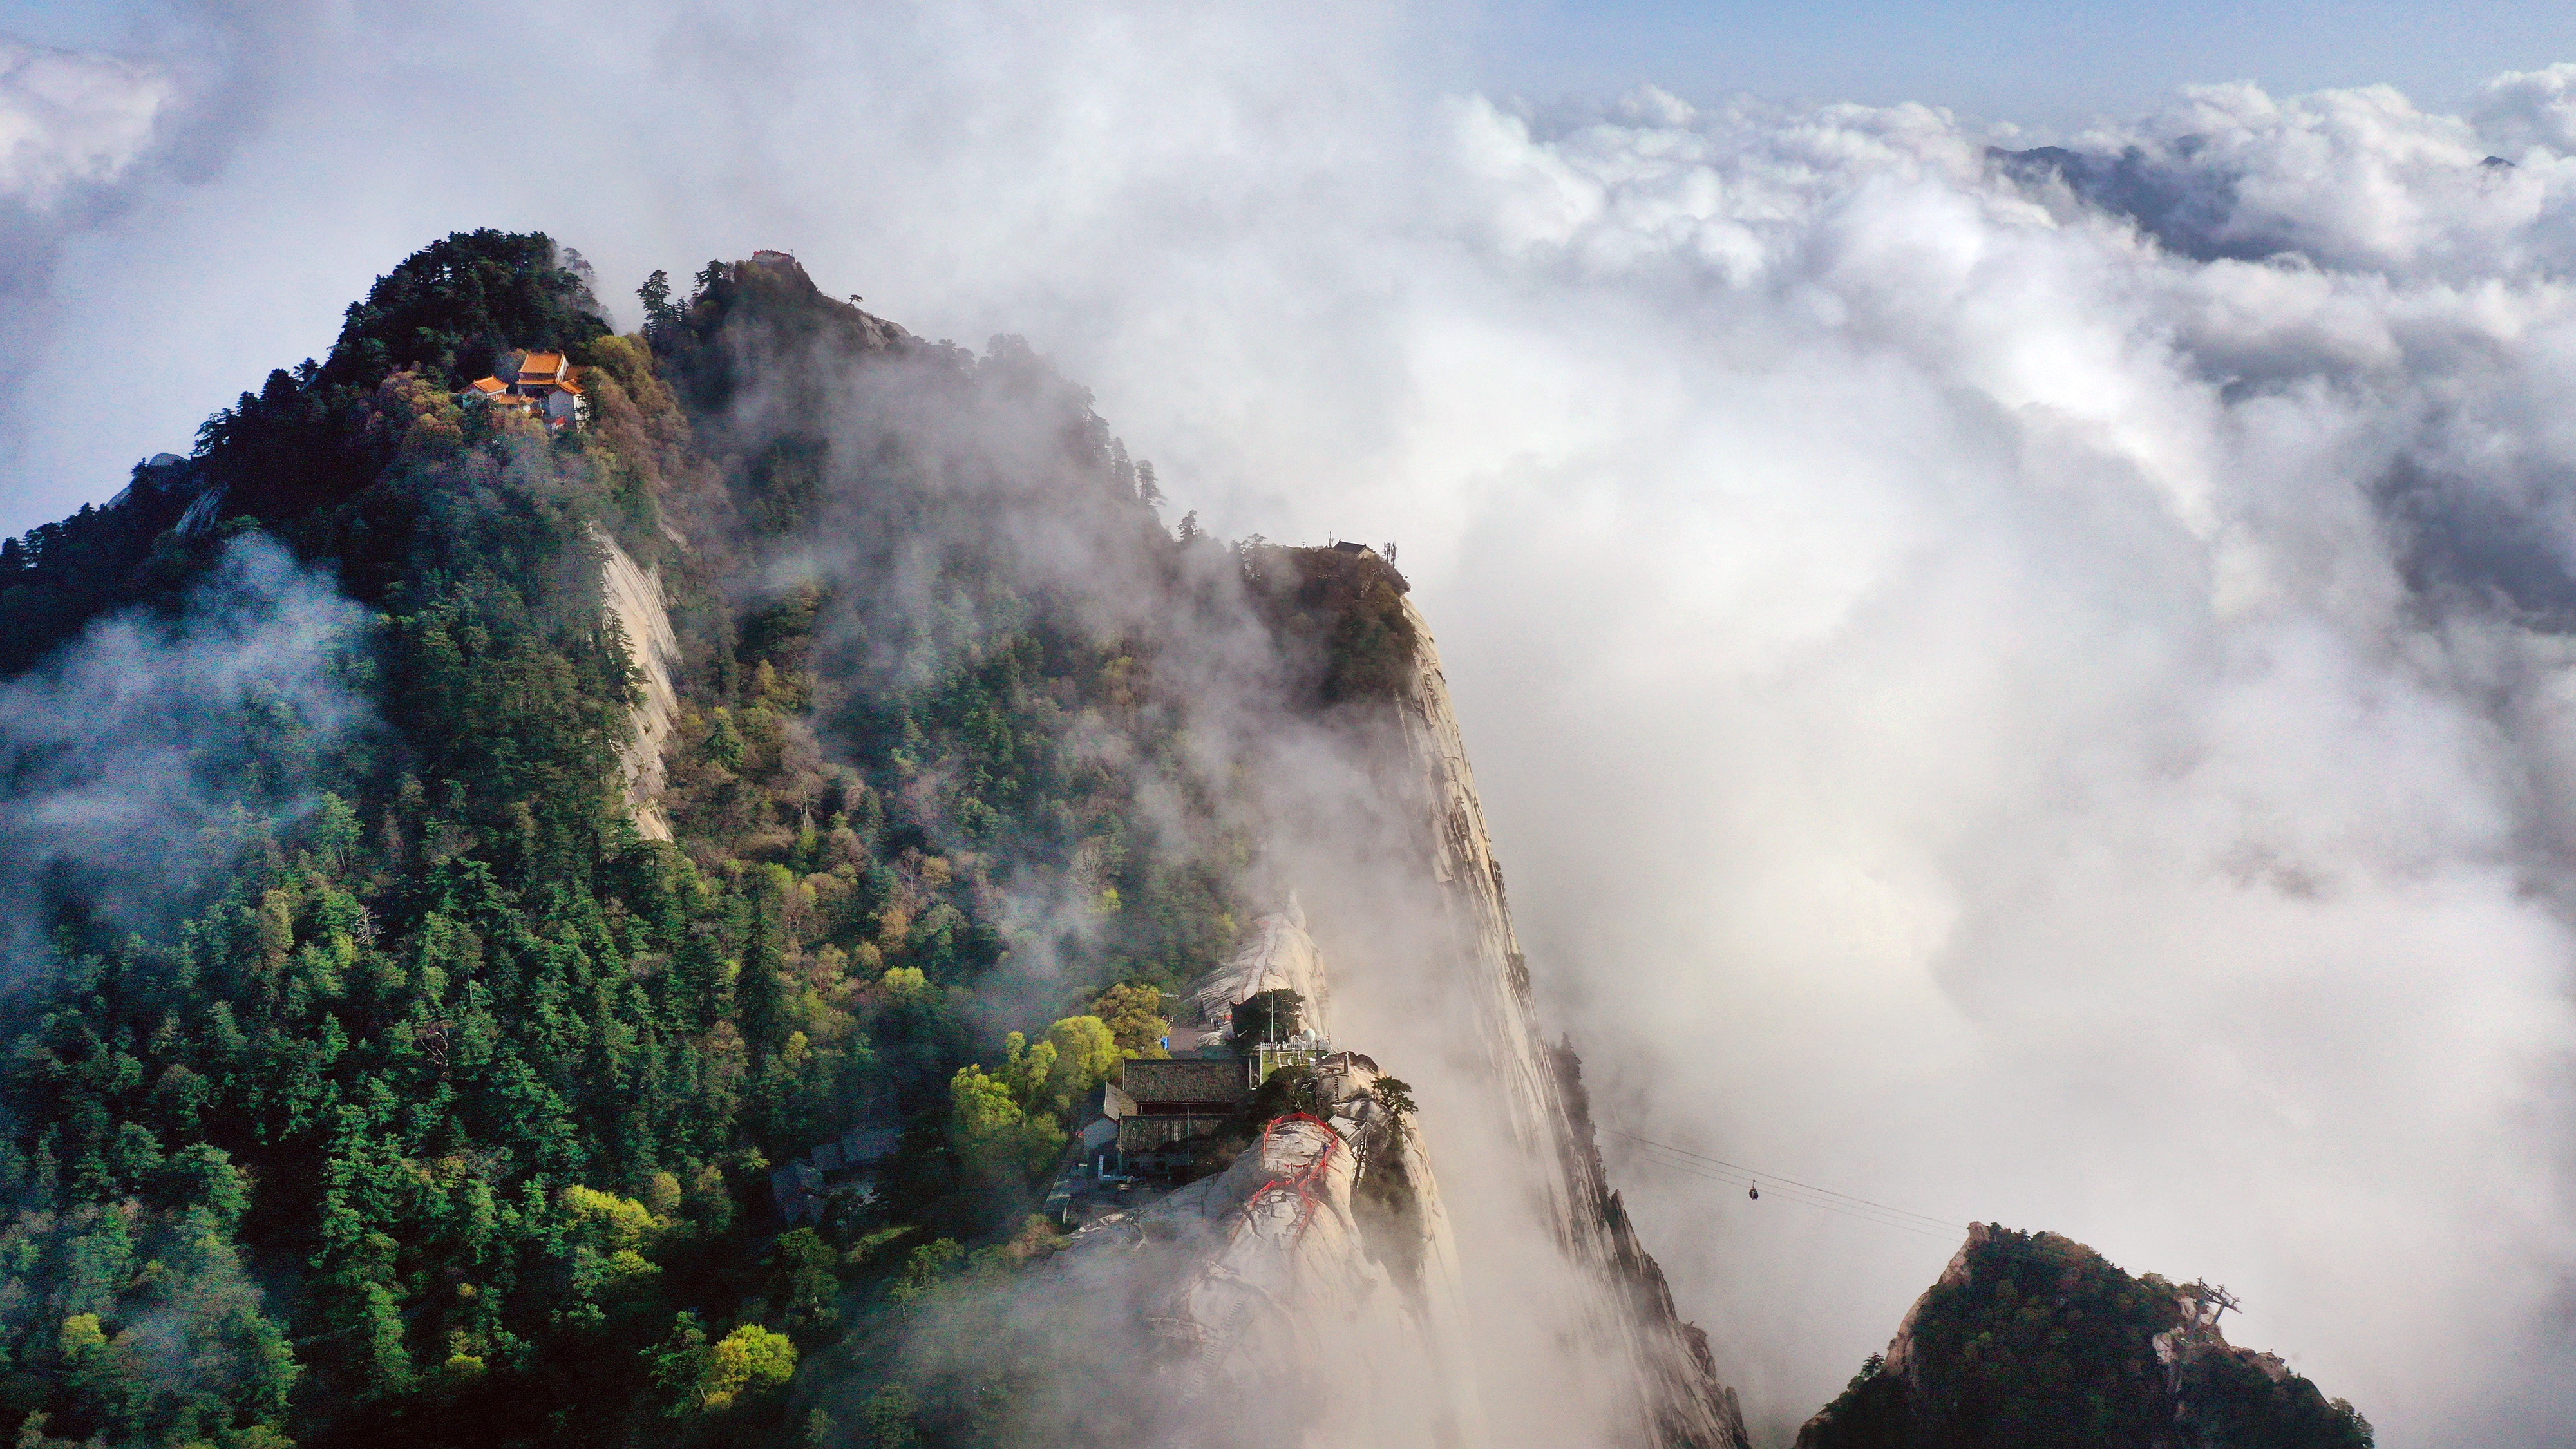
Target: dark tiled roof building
1178	1100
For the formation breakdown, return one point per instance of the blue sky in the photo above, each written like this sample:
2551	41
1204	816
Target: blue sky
2046	64
2040	63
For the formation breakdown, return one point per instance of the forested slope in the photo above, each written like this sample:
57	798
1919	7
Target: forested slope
2033	1341
432	1103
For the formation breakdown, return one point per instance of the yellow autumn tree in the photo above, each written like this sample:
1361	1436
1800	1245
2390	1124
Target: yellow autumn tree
1134	1015
746	1360
994	1135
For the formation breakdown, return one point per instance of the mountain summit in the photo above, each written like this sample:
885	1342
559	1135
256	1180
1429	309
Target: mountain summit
738	884
2031	1339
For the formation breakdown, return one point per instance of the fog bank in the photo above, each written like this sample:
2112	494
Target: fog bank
138	762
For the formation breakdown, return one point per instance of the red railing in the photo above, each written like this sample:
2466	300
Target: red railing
1302	1183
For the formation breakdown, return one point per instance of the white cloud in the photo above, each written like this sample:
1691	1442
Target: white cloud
70	119
2013	721
126	758
2526	108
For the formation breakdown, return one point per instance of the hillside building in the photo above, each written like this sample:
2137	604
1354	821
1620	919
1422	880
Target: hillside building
1177	1101
542	385
847	1164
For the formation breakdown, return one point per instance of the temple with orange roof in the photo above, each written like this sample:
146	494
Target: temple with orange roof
542	384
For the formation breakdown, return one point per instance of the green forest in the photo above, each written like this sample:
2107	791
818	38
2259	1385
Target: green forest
441	1108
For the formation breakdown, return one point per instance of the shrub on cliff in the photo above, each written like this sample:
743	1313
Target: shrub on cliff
1340	616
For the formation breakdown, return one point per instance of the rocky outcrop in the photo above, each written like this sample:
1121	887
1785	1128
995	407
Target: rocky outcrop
2034	1338
633	597
1279	956
1678	1399
1317	1270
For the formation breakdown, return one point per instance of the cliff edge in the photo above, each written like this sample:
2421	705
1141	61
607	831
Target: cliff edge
632	595
1679	1399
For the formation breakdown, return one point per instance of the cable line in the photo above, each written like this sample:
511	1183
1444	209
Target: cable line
1714	1169
1832	1201
1909	1224
1719	1162
1789	1187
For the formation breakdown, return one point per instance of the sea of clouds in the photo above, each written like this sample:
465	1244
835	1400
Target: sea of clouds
2047	729
2036	689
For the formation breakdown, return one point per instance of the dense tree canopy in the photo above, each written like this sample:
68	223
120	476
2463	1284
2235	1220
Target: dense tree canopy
2039	1343
453	307
447	1114
307	454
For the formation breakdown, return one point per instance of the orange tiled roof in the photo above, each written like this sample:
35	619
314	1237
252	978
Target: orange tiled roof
488	385
541	364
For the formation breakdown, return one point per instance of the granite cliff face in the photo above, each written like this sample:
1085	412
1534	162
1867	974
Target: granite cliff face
1321	1268
1324	1253
1678	1399
1280	956
633	596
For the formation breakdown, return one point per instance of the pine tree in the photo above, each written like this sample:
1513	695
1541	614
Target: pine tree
760	989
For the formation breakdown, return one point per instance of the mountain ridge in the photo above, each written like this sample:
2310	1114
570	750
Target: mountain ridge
720	772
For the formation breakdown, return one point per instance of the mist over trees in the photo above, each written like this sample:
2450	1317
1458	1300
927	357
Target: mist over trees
440	1104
